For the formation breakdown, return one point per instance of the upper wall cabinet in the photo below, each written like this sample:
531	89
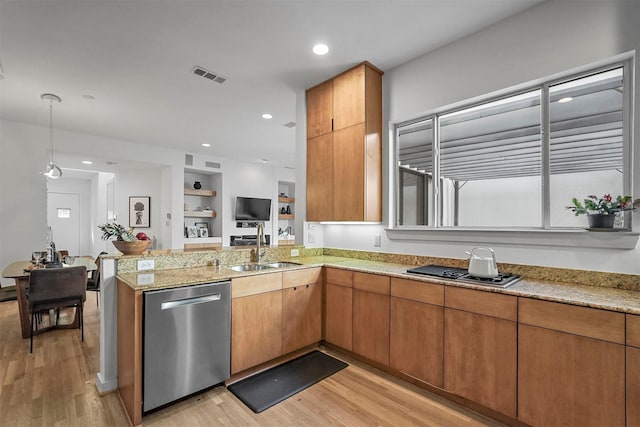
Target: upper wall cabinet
344	147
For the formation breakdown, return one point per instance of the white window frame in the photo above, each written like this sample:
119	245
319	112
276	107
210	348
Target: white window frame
544	235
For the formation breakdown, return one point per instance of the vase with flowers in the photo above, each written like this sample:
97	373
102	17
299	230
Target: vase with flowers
601	211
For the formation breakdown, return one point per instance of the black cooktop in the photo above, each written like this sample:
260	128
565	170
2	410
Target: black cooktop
503	280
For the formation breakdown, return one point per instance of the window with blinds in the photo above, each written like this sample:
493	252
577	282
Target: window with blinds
517	160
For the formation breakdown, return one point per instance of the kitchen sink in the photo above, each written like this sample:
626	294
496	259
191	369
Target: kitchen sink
282	264
267	266
251	267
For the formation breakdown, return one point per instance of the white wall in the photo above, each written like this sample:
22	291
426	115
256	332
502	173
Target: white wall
146	182
550	38
23	192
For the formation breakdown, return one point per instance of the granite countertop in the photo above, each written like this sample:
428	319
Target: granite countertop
590	296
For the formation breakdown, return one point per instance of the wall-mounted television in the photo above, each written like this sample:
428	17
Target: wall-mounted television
253	209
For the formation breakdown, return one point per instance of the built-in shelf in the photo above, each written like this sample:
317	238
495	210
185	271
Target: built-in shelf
286	199
200	214
286	216
193	192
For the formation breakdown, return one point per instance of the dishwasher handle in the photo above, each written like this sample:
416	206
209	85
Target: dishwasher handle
190	301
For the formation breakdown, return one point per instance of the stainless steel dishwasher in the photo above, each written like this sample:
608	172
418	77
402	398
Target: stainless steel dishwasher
187	340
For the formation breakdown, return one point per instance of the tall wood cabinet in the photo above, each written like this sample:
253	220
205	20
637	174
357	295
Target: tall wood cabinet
344	147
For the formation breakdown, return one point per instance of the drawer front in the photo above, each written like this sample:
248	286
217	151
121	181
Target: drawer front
257	284
633	330
584	321
417	291
372	283
307	276
340	277
480	302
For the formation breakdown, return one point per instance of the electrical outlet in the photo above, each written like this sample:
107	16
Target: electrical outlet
377	240
146	264
295	252
145	279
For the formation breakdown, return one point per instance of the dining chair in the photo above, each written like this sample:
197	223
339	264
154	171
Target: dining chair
93	283
55	288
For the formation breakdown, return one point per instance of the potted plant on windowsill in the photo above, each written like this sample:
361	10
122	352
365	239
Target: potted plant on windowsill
126	242
601	211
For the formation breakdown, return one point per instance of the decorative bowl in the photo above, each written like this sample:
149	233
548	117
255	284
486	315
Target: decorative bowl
136	247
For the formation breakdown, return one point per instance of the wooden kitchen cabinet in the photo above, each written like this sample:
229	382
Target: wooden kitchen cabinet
129	338
416	335
371	307
633	370
338	321
256	320
301	309
633	386
345	165
571	365
349	192
480	348
320	177
320	109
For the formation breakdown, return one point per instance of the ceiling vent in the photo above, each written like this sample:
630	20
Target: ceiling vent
213	165
290	125
210	75
188	159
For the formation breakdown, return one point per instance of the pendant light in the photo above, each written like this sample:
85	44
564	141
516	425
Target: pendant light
53	171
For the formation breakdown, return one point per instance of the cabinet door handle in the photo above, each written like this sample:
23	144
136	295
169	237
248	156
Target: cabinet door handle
332	124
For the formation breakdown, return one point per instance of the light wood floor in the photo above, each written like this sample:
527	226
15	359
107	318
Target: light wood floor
55	386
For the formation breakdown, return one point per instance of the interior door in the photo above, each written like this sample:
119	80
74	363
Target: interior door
63	216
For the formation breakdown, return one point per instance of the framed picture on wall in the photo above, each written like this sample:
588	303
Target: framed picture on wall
140	211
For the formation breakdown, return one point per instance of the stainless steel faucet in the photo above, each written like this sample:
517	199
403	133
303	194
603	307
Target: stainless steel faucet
259	241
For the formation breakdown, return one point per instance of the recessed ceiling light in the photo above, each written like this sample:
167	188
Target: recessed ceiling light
264	160
87	162
321	49
206	145
89	97
267	116
565	99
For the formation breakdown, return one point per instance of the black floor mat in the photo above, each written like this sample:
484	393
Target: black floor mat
263	390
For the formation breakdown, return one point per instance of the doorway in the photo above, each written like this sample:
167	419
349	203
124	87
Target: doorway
63	216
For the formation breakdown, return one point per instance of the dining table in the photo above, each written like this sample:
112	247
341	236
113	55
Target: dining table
19	271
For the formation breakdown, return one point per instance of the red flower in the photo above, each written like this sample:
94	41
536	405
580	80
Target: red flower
607	198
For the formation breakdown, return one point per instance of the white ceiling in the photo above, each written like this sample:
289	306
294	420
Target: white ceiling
136	59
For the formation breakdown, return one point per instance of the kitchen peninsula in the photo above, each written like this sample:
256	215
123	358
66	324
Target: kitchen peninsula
519	353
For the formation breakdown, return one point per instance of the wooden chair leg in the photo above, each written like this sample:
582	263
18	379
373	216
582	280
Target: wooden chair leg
81	322
31	333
